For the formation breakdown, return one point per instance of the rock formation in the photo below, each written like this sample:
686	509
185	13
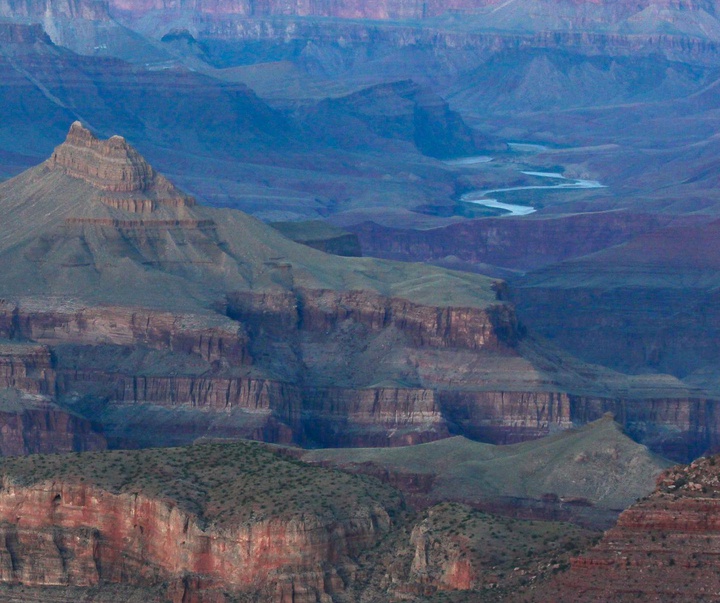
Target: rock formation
167	321
203	521
111	165
551	478
404	9
30	422
665	547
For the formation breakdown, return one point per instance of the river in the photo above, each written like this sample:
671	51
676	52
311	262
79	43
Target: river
479	197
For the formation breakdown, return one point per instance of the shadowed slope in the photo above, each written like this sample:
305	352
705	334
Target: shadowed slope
597	463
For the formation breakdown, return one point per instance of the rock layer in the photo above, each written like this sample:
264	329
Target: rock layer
115	167
75	532
665	547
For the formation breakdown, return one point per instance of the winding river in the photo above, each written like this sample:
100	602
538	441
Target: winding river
480	197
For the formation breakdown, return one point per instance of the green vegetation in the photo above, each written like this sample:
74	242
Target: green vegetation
223	484
597	462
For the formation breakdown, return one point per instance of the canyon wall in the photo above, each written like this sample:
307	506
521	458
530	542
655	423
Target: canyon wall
197	372
391	9
664	548
52	321
26	367
321	310
279	30
347	9
506	417
509	242
30	422
58	534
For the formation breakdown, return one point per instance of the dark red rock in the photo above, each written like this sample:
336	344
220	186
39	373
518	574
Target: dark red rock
664	548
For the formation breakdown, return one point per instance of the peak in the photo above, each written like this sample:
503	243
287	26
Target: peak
109	165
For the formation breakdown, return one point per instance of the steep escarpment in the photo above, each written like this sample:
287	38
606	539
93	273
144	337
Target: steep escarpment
206	520
643	303
552	15
665	547
30	422
55	321
508	242
401	111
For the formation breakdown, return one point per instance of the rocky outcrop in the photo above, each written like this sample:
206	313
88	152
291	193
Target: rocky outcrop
114	166
665	547
321	310
57	321
506	417
372	417
75	532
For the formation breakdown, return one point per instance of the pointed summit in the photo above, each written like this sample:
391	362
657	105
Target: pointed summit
111	165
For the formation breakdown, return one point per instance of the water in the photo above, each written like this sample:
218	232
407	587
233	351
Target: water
514	210
479	197
468	161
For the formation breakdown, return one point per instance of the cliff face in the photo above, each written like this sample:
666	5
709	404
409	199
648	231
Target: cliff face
285	409
349	9
75	532
72	9
508	242
679	47
665	547
83	536
373	417
637	301
322	310
71	323
27	368
507	417
29	422
393	9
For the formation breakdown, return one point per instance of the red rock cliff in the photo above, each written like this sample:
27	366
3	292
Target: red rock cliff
72	533
664	548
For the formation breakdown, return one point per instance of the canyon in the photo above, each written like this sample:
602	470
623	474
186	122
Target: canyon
221	522
450	401
243	333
